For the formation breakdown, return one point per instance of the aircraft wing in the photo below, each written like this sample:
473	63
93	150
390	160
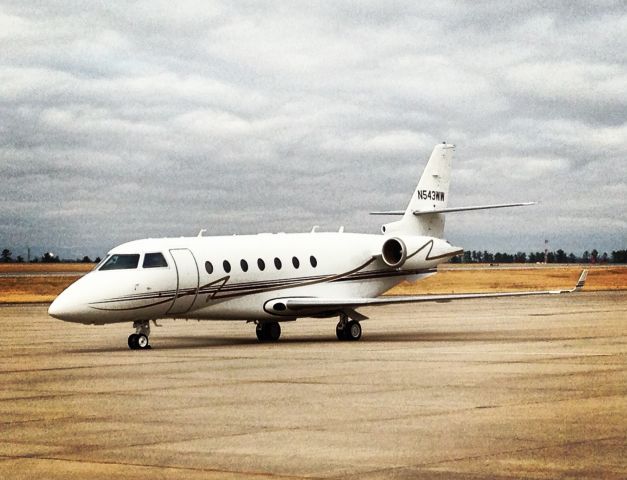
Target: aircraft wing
287	306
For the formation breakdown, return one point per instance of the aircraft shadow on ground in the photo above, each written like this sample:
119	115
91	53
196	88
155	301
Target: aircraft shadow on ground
379	337
164	343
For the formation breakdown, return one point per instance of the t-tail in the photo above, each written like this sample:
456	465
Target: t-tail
428	205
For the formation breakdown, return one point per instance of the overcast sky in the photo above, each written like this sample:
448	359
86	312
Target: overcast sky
124	120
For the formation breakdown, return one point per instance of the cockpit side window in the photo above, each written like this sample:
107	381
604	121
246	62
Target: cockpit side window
154	260
121	262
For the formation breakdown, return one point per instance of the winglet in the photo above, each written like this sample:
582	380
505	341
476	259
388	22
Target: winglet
577	288
581	282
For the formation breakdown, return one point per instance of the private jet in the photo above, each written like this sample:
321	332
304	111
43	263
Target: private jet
268	279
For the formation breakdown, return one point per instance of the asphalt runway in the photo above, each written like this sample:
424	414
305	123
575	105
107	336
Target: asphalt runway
530	387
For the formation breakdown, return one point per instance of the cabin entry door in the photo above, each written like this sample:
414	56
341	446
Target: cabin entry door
187	280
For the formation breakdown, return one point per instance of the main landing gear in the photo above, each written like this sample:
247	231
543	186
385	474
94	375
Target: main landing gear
347	330
268	331
139	339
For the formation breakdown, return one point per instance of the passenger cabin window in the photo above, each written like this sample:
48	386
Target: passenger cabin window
154	260
244	264
209	267
313	261
121	262
227	266
277	263
261	264
295	262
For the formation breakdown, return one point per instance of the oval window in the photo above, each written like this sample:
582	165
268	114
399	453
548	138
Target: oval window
313	261
261	264
209	267
244	264
277	263
227	266
295	262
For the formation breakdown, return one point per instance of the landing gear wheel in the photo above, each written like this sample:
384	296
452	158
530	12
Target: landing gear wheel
274	331
353	332
133	341
142	341
340	332
268	331
139	339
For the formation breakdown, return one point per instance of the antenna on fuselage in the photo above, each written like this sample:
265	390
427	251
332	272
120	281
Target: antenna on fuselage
341	230
202	230
314	228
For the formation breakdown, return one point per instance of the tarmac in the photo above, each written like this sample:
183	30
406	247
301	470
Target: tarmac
532	387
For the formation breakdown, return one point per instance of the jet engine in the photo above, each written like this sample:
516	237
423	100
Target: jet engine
423	252
394	252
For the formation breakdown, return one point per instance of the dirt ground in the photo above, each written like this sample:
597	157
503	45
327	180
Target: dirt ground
463	280
27	283
22	268
33	289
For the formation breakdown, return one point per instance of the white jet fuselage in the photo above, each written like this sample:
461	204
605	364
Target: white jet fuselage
270	278
238	277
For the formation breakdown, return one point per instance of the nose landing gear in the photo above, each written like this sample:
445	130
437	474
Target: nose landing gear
139	339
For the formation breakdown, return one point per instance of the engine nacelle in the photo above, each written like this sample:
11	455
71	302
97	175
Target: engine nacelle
416	251
394	252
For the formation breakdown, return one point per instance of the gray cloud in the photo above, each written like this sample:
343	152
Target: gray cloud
121	121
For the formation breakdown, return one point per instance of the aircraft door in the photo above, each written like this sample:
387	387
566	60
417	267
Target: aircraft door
187	280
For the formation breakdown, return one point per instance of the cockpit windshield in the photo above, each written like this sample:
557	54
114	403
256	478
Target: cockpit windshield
101	263
121	262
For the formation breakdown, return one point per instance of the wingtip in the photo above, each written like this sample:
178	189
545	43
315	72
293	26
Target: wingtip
582	280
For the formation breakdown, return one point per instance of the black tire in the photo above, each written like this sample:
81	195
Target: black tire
268	331
340	333
274	331
261	333
132	341
353	330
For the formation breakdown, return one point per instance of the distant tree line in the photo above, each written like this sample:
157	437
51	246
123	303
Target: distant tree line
7	257
558	256
469	256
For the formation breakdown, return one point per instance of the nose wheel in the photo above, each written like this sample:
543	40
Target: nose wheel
139	339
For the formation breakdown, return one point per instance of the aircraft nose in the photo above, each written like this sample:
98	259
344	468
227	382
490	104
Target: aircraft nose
63	308
57	308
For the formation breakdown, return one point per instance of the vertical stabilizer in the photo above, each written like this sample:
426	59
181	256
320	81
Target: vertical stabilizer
431	193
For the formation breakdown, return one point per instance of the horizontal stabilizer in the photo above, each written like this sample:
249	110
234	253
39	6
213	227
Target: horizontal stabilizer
389	212
476	207
454	209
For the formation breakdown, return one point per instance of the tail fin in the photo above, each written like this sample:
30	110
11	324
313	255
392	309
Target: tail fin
431	194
